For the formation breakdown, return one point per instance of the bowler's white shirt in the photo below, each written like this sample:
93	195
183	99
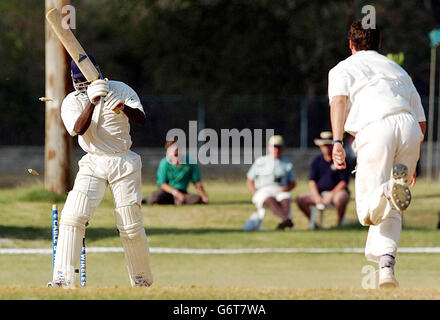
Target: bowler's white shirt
111	133
376	87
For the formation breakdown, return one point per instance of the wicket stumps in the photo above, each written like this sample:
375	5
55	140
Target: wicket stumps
82	261
54	232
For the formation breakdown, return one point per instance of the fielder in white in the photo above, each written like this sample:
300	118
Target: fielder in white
105	136
375	100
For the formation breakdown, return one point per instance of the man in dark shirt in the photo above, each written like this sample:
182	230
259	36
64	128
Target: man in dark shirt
328	186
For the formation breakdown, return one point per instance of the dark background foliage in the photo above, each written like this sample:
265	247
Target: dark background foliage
245	64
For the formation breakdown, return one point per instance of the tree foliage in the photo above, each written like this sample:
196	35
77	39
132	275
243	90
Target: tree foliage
203	49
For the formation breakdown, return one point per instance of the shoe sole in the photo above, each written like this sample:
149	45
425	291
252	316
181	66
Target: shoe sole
388	283
400	193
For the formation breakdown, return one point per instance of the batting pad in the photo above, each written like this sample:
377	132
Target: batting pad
135	243
73	221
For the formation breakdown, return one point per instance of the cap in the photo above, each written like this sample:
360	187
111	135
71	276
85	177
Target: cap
276	141
76	72
325	137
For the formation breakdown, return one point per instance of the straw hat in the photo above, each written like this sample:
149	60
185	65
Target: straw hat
276	141
326	137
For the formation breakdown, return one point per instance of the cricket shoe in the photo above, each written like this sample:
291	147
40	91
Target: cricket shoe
60	282
253	223
285	224
400	196
387	280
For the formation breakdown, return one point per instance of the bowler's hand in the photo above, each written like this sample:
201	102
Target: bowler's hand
339	156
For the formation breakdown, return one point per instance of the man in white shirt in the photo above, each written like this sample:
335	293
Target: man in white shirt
375	100
99	113
270	179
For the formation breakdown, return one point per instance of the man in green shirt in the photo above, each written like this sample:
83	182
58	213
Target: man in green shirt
173	179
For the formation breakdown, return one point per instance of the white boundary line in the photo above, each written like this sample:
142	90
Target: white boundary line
225	251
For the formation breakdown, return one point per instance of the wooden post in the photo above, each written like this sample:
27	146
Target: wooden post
58	143
431	114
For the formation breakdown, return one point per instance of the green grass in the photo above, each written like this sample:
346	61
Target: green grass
26	223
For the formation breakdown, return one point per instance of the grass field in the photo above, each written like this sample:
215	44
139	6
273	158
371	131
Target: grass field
26	223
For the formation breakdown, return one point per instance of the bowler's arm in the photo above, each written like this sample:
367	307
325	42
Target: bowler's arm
423	128
422	125
337	118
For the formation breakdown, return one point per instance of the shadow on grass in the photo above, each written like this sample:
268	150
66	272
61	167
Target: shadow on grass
211	203
357	226
92	233
38	233
348	226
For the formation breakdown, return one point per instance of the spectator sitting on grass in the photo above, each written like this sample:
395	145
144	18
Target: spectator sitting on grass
173	179
327	185
271	179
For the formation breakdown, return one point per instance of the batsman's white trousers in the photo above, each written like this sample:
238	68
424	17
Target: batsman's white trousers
378	147
122	173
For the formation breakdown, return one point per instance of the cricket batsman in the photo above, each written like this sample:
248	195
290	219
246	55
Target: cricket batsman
104	135
374	99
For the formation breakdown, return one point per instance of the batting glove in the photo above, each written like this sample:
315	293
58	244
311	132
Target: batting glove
97	89
113	102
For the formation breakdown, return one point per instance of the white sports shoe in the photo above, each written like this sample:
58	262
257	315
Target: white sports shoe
400	196
60	282
387	280
253	223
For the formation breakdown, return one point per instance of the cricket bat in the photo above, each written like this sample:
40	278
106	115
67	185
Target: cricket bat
73	47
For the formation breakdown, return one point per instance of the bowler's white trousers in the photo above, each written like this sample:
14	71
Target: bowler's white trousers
378	147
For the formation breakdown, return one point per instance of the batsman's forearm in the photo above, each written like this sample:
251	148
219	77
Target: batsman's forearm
337	116
135	115
84	120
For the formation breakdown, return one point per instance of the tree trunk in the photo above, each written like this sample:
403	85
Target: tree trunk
58	143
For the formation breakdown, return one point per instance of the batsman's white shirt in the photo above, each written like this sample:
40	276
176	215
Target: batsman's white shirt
110	132
107	142
376	87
